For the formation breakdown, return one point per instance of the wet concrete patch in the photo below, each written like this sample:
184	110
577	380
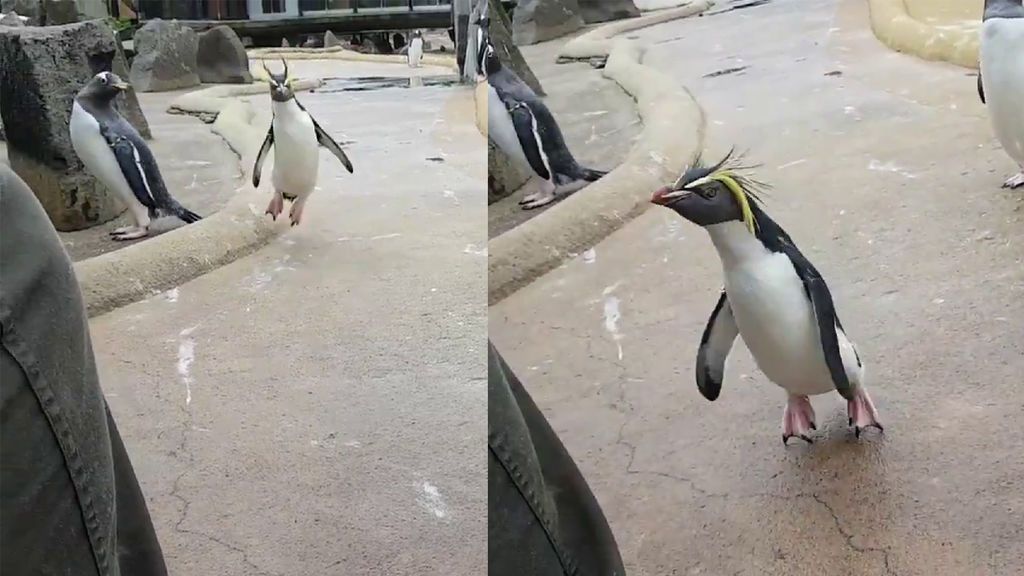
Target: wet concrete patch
369	83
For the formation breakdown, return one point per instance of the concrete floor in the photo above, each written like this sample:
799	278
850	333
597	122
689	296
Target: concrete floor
319	407
887	175
598	119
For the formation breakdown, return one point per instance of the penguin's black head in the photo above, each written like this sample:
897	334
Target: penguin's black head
280	84
711	195
103	87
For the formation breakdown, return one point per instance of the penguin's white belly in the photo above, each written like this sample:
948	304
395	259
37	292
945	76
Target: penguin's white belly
502	131
92	149
777	323
1002	73
296	155
415	52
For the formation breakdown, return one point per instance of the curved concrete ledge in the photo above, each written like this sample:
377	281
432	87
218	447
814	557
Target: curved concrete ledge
337	53
673	133
597	42
138	271
897	29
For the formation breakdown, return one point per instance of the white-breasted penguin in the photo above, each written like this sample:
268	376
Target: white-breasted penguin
1001	77
116	155
521	125
296	138
415	52
773	297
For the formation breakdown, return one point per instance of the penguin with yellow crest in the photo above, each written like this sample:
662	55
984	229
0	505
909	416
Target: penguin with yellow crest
773	297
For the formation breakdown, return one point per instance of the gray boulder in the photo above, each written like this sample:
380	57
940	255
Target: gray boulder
43	69
12	19
501	38
539	20
330	40
165	57
44	12
594	11
221	58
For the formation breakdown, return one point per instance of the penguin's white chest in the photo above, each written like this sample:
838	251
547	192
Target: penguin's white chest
92	149
502	131
777	323
415	52
1002	73
296	150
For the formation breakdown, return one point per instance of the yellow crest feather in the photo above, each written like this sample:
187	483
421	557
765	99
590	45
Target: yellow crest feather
726	177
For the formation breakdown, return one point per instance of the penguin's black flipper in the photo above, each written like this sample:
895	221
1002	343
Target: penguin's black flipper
981	89
529	138
715	343
326	141
825	315
130	160
257	168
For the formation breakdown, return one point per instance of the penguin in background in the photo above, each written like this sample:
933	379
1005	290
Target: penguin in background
773	297
521	125
1001	77
296	138
415	52
115	154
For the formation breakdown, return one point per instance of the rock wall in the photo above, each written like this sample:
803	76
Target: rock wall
594	11
221	58
43	70
539	20
501	38
165	57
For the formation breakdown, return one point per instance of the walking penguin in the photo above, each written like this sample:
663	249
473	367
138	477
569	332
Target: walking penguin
773	297
116	155
1001	77
296	138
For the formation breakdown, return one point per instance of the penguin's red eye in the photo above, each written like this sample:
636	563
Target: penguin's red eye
710	193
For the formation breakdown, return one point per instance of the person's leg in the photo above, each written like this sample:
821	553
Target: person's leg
69	499
542	517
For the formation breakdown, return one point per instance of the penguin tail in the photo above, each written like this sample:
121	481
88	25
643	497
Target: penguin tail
186	215
591	175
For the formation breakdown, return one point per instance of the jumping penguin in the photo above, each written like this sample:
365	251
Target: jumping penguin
296	138
114	152
1001	77
415	53
773	297
521	125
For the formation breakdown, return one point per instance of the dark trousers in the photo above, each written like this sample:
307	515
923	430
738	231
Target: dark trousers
542	518
69	499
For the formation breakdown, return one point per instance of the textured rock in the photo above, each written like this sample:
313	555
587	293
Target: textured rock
47	12
501	38
503	178
43	69
221	58
594	11
330	40
539	20
165	57
13	19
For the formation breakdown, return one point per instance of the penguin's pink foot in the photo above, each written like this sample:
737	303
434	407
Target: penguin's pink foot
121	230
862	412
798	419
1015	181
296	212
276	205
131	234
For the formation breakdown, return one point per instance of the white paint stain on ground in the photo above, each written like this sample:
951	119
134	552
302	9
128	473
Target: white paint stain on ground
590	256
451	195
430	499
172	295
186	355
889	167
472	249
612	314
793	163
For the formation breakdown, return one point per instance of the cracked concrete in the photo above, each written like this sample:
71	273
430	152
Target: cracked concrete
886	173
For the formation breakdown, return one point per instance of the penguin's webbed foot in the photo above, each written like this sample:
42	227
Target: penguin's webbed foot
121	230
276	206
542	200
862	412
296	212
131	233
798	420
1015	181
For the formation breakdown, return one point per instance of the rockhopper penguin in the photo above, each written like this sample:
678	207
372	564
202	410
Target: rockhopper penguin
521	125
415	53
773	297
116	155
1001	78
296	138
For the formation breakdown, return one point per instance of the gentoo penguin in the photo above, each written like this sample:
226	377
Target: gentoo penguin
118	157
1001	78
773	297
521	125
415	53
296	138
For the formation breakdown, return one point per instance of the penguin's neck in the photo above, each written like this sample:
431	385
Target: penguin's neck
735	244
286	109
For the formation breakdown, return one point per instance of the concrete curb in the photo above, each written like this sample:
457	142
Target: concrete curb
895	28
337	53
136	272
674	126
597	42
